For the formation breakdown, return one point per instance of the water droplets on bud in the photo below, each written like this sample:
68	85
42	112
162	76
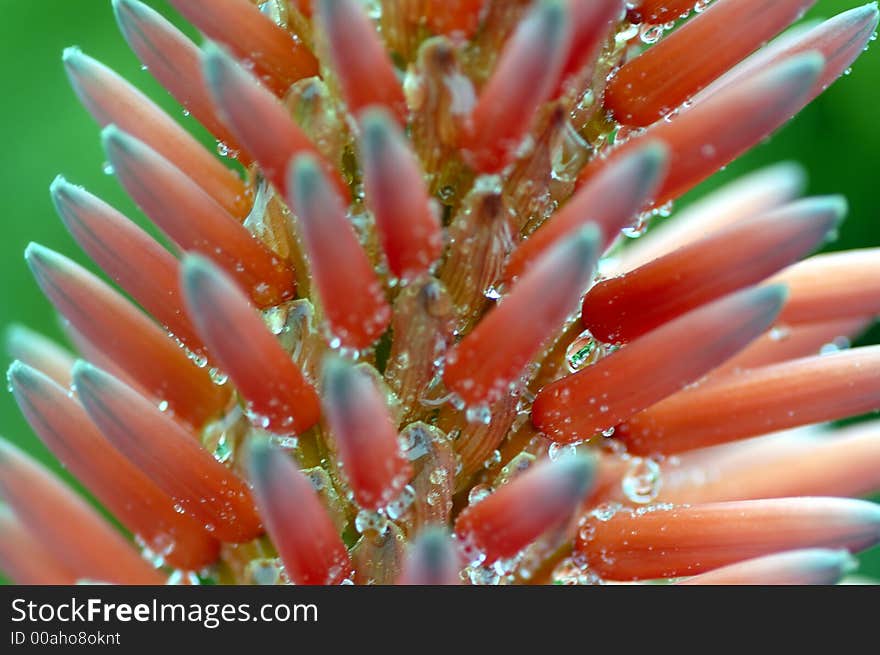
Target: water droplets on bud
650	34
478	493
225	151
285	441
163	405
582	352
479	414
780	333
398	507
492	293
493	459
571	572
367	521
558	451
482	576
257	419
107	168
223	449
642	481
636	230
605	511
439	475
835	345
218	377
265	571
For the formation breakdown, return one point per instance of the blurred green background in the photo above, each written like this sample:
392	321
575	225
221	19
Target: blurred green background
45	132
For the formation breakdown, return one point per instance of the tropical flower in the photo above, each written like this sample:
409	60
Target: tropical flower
405	332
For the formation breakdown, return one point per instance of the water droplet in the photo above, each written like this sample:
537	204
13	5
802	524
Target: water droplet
397	507
559	451
478	493
483	576
440	475
780	333
368	521
479	414
582	352
642	481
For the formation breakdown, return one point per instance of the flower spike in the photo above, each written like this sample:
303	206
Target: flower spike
610	200
259	121
541	499
591	24
169	455
432	560
24	559
657	12
113	101
523	79
278	395
131	496
307	540
135	343
481	368
747	197
279	58
840	40
74	533
41	353
395	192
832	286
362	67
712	133
814	566
192	219
842	463
598	397
364	435
675	69
623	308
799	392
130	256
668	541
786	342
350	292
175	62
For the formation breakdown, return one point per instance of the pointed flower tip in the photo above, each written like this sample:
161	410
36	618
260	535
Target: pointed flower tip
432	559
581	248
112	137
195	272
38	256
17	371
130	7
304	178
654	155
88	379
377	125
66	196
258	456
59	185
579	471
24	379
773	296
216	63
73	57
337	377
806	66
